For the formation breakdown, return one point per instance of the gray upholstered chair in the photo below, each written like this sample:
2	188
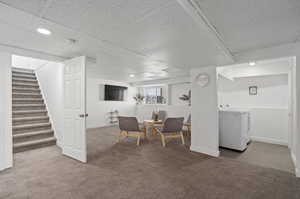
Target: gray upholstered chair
129	127
162	115
172	128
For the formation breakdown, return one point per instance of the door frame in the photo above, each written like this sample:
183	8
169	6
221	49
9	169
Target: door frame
7	150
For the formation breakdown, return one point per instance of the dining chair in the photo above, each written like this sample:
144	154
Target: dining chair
129	127
172	128
162	115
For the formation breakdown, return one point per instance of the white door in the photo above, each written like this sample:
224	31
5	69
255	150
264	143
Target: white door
74	138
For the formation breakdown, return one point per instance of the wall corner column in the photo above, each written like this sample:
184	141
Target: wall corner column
204	112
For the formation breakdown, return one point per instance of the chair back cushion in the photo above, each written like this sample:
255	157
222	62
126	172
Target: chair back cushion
173	125
162	115
153	115
128	123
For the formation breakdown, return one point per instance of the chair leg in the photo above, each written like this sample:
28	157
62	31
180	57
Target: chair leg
145	134
138	140
119	137
163	140
153	131
182	138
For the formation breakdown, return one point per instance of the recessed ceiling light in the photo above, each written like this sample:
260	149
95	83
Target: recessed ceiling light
43	31
131	75
252	63
146	74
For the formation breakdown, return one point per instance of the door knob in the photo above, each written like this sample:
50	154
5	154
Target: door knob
84	115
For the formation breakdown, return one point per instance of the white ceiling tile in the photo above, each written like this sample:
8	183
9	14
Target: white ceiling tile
31	6
252	24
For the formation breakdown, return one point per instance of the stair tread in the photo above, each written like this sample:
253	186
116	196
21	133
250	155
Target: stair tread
36	94
29	111
23	79
17	72
24	84
24	105
28	89
28	134
35	142
20	74
27	99
31	118
22	70
31	125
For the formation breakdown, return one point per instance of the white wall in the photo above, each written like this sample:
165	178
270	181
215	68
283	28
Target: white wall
205	120
27	62
5	111
268	109
293	144
98	109
176	91
236	93
50	77
269	125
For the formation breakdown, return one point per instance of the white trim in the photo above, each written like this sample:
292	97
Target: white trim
58	142
205	150
9	152
269	140
293	158
7	133
297	171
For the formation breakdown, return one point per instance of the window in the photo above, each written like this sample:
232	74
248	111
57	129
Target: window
154	95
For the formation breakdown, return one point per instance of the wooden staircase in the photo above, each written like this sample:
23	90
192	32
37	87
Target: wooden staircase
30	121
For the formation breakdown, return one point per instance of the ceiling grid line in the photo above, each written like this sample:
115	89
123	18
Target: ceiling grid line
197	14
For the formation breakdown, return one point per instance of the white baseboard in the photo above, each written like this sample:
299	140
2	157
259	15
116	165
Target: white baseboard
269	140
293	158
297	171
58	143
205	150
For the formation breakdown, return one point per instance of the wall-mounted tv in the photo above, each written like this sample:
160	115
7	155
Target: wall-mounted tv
114	93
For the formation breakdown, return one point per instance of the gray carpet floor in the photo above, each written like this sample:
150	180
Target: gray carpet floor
150	171
264	154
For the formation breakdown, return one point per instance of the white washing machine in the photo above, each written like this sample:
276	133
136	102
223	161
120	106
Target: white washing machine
234	126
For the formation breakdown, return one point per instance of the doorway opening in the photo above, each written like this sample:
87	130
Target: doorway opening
32	125
255	102
48	101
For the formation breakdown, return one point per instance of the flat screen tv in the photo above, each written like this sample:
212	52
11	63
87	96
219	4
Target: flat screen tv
114	93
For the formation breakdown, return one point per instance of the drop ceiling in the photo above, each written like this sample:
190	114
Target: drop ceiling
247	25
141	37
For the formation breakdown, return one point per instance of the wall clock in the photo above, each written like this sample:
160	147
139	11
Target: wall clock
202	79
